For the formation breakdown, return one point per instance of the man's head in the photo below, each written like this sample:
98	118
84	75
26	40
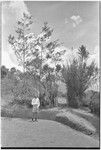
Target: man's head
36	94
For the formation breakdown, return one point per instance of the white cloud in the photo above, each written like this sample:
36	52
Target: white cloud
95	56
66	21
74	25
76	20
70	54
12	11
9	60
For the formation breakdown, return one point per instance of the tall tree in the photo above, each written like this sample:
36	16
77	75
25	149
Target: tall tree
20	44
78	77
32	50
43	49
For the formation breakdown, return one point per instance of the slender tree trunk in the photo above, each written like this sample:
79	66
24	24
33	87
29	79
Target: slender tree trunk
40	74
23	61
56	100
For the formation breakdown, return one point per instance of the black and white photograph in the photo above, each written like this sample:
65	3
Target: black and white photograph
50	72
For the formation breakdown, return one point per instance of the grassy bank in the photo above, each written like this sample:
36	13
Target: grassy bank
84	121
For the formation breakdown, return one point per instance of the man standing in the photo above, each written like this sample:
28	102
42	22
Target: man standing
35	109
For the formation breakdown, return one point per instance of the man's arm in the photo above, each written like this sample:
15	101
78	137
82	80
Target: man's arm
32	101
38	102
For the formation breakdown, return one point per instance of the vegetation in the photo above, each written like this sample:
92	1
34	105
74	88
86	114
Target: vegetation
76	122
33	53
78	76
4	72
94	103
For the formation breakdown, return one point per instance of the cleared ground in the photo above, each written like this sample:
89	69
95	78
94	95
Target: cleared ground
44	133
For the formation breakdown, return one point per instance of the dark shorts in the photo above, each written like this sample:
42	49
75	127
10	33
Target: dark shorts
35	114
35	110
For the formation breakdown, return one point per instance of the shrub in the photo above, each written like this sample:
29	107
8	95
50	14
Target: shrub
15	110
95	108
92	101
4	72
22	93
43	101
76	122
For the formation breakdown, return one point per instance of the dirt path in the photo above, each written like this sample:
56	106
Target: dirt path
44	133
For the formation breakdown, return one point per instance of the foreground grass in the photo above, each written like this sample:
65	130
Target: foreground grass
17	132
75	118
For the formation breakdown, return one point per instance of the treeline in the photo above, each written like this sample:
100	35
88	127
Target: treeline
77	76
33	52
36	54
24	86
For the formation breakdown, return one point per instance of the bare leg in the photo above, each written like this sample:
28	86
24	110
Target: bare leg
33	116
36	116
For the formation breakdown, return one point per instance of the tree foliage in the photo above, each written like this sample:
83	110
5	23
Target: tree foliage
33	51
78	76
20	44
50	85
4	72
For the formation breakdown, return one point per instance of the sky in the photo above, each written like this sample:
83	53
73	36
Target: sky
74	23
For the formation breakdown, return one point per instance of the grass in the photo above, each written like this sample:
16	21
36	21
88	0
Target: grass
18	111
93	119
77	119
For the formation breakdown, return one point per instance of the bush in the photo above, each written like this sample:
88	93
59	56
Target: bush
22	102
95	108
24	92
92	101
76	122
16	111
43	101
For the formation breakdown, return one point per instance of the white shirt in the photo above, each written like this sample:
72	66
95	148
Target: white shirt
35	101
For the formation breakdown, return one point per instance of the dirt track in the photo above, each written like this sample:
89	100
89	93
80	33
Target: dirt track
44	133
